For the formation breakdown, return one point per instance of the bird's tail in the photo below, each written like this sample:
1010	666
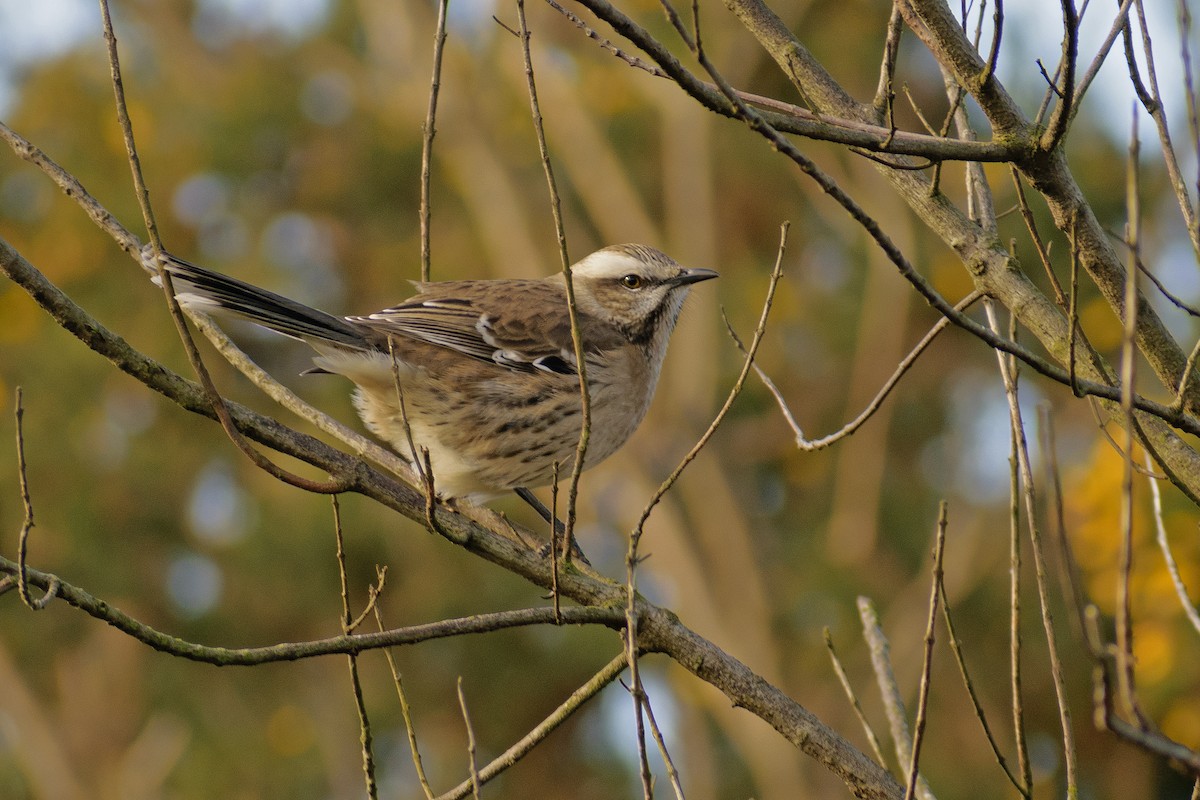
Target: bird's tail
208	291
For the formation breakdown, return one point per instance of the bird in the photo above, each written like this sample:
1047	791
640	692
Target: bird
486	368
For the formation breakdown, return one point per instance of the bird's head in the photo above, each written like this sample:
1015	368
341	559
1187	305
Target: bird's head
636	288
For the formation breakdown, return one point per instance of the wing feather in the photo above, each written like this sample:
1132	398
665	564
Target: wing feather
521	325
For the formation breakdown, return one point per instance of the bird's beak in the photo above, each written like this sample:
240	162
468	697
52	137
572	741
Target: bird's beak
695	275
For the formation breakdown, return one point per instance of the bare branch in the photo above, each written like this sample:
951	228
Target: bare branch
960	658
1066	92
405	711
337	484
826	126
877	643
1015	640
1017	424
1119	22
1143	736
656	732
1124	621
1164	544
585	430
939	548
1151	99
997	35
462	702
51	589
759	331
560	715
429	130
135	164
844	680
360	705
885	94
295	651
812	445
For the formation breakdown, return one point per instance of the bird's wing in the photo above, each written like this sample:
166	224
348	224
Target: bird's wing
522	325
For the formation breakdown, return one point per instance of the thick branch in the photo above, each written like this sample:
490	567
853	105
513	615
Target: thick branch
994	270
935	25
1048	172
849	124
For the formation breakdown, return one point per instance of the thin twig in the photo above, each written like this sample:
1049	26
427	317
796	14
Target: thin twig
1015	642
337	484
1119	22
636	690
585	427
960	658
285	397
844	680
1143	735
1068	566
1124	617
893	704
72	188
405	712
1036	237
885	93
135	164
956	99
554	554
360	705
1171	297
1061	118
1151	99
27	525
568	707
428	131
373	594
997	34
759	331
398	385
635	536
1020	734
1164	544
656	732
474	768
916	109
1117	447
939	549
1193	112
419	454
1017	426
812	445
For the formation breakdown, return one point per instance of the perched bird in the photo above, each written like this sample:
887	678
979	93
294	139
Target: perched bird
487	367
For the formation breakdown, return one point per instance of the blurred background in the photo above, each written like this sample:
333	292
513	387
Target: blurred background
282	144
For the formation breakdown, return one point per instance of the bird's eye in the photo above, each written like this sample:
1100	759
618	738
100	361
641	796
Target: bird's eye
632	281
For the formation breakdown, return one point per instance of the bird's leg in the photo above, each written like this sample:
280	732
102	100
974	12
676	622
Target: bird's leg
559	528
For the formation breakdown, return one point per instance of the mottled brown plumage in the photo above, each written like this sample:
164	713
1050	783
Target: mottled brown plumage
488	367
